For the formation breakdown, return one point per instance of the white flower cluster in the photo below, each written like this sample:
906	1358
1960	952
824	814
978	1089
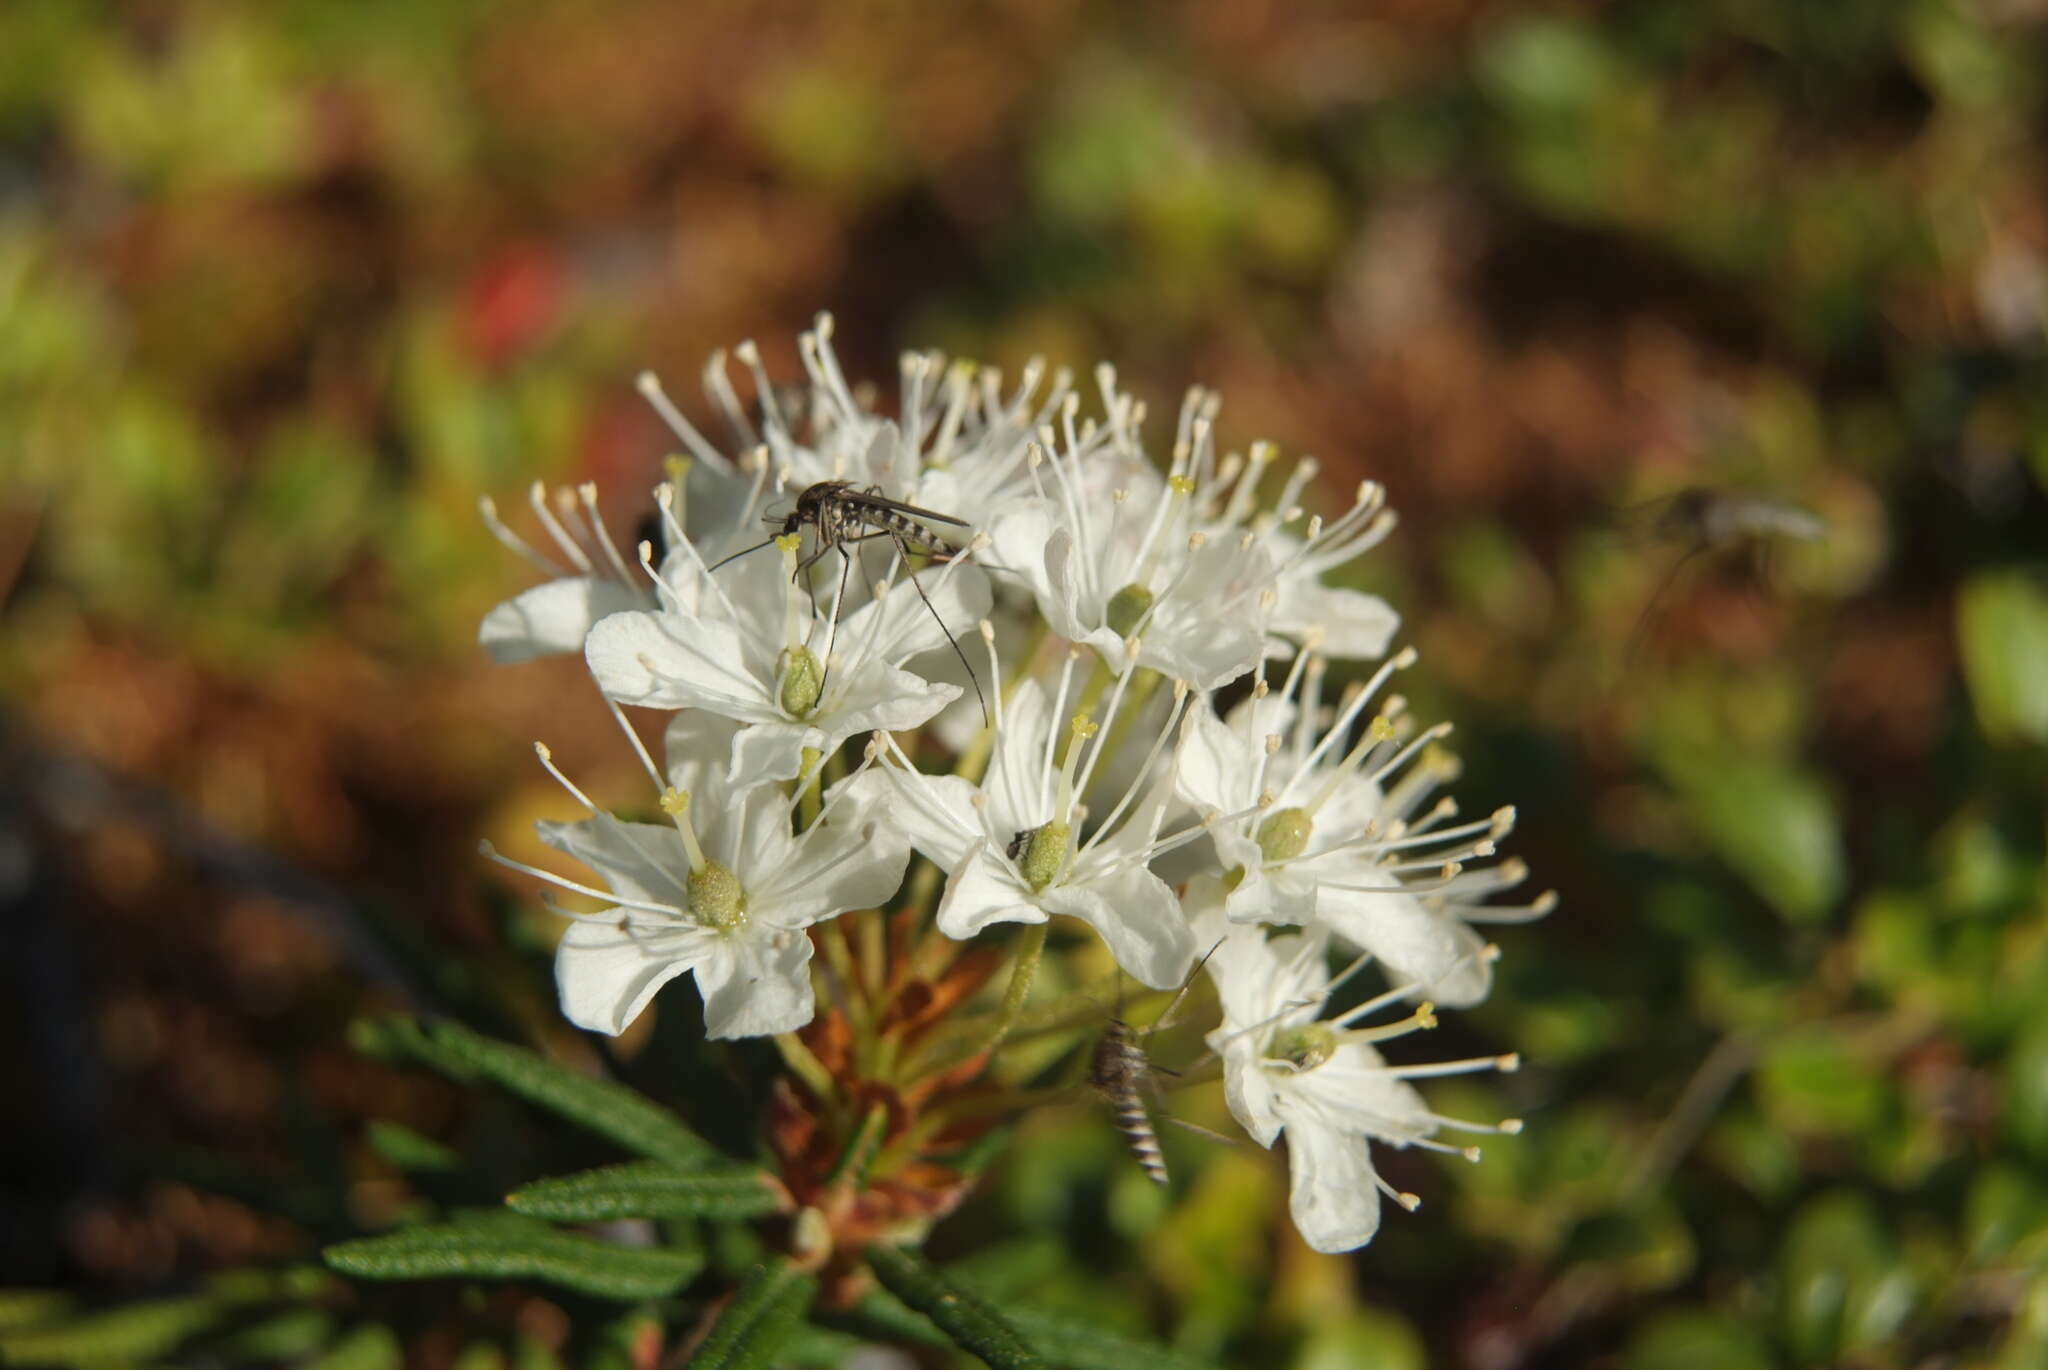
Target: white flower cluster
1145	744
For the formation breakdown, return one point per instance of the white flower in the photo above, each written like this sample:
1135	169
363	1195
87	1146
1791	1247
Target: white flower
724	891
1321	1083
1014	847
1338	845
1341	623
1114	551
750	644
959	443
553	617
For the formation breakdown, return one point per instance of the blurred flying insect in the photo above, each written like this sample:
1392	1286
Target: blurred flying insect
841	515
1122	1071
1705	521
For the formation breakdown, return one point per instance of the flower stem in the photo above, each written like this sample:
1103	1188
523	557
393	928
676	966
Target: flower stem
806	1066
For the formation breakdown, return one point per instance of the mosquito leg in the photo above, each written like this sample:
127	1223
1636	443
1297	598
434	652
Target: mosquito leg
903	547
1182	992
832	628
1200	1131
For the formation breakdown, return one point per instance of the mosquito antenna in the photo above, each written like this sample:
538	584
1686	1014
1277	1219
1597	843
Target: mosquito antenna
735	556
903	546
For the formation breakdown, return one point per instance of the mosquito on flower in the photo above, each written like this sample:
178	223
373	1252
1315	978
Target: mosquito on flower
841	514
1122	1071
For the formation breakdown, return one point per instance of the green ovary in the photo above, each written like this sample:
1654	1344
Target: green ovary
803	680
716	897
1127	609
1045	851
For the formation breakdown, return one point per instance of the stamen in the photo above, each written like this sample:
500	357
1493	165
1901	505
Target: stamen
536	495
650	389
676	804
488	508
587	891
587	491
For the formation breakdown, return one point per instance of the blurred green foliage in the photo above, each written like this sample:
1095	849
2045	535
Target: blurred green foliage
286	287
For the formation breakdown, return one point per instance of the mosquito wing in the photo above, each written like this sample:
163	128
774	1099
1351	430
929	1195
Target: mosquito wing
869	499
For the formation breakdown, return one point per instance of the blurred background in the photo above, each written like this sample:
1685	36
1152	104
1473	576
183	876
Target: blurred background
284	287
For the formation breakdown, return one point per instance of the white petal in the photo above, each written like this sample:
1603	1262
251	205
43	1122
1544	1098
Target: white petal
1470	978
959	598
1138	917
985	890
554	617
757	985
1248	1089
1353	624
606	972
880	699
1196	648
1019	537
661	661
1018	793
765	752
1414	944
1333	1197
834	867
936	812
644	862
1068	602
697	752
1355	1091
1215	767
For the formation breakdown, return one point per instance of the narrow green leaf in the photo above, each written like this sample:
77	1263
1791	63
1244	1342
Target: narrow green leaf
960	1315
287	1335
1062	1340
139	1331
25	1307
759	1321
2002	627
605	1107
370	1347
513	1248
651	1189
1075	1345
409	1150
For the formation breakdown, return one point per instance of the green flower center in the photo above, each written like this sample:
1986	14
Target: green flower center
1127	609
716	897
1040	852
1304	1047
803	680
1285	833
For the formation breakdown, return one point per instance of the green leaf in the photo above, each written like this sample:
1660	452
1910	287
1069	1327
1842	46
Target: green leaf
1365	1336
1843	1286
761	1318
23	1307
1698	1341
288	1335
370	1347
2002	623
409	1150
139	1331
651	1189
508	1247
1076	1345
1777	827
602	1106
2026	1091
972	1324
1811	1081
